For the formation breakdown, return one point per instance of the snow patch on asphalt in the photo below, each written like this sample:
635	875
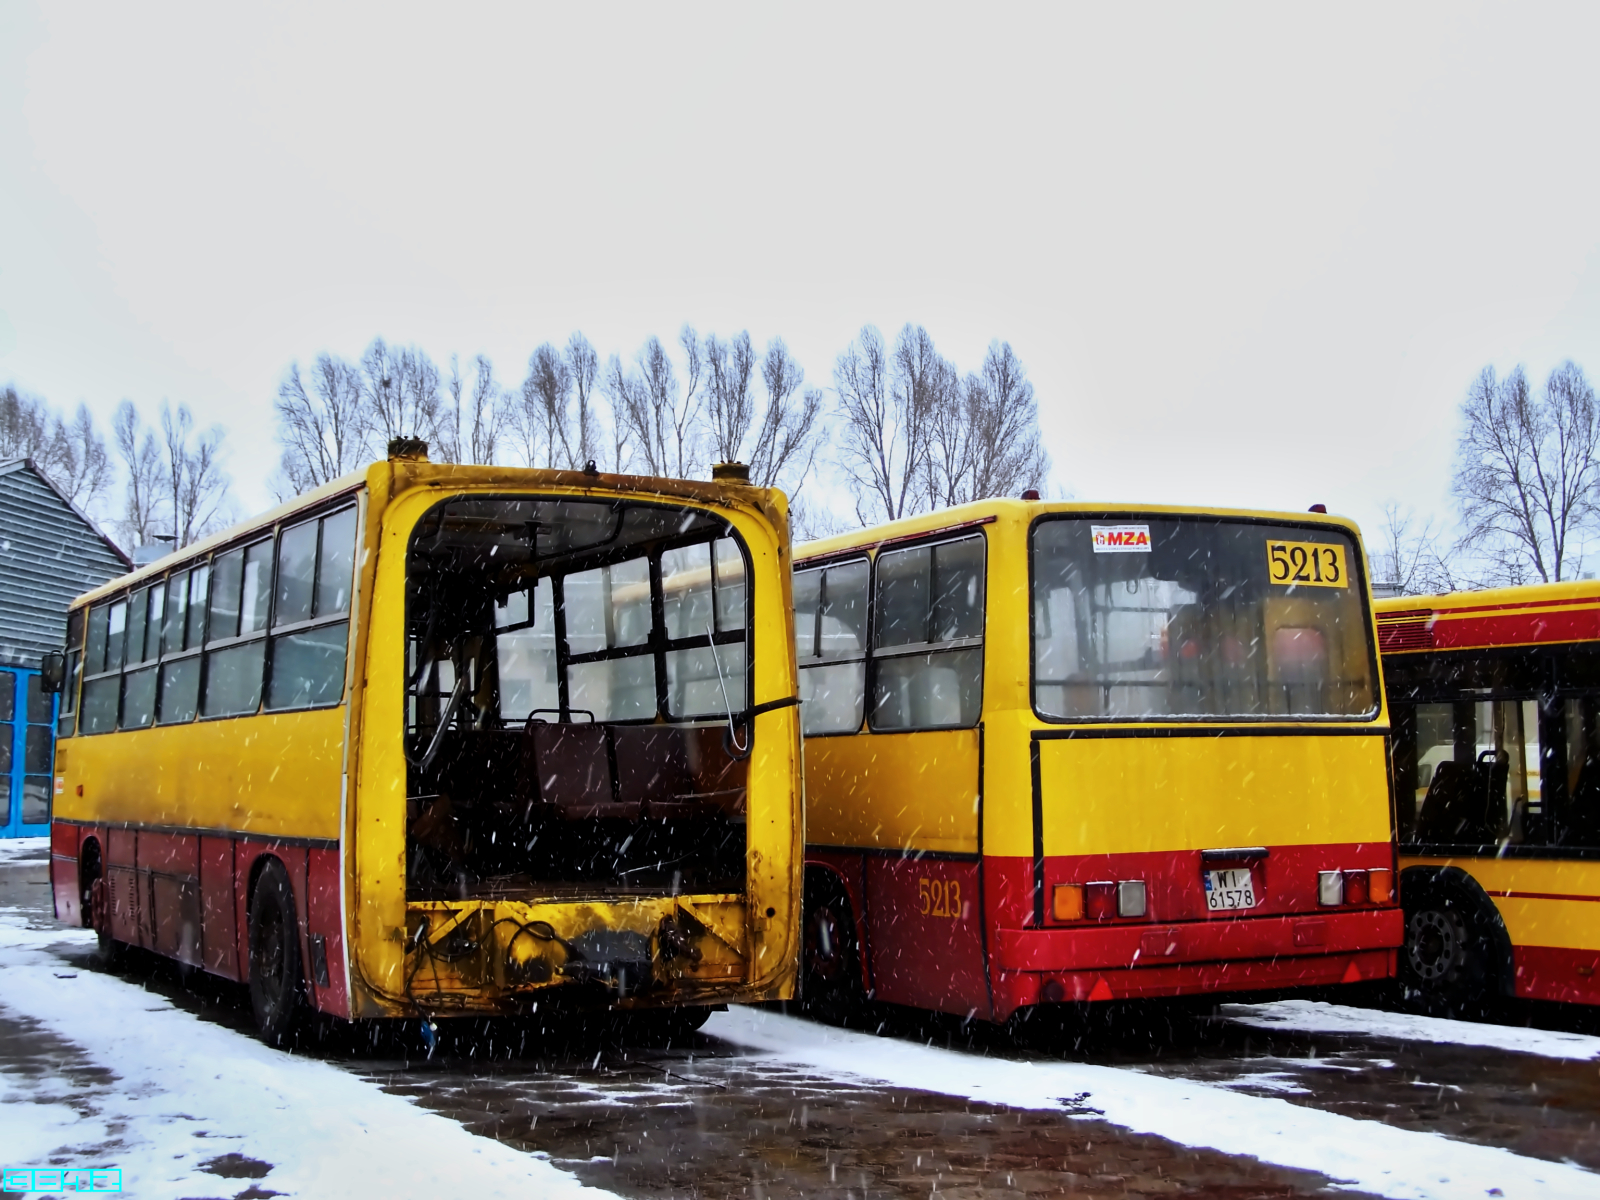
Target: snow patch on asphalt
1312	1016
188	1091
1364	1155
14	851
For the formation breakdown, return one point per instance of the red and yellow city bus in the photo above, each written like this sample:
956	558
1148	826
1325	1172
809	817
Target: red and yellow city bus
1060	752
437	740
1495	700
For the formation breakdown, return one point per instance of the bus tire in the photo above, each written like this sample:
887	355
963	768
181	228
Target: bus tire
95	906
830	968
277	991
1455	952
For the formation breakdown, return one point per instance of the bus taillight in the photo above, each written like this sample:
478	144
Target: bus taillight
1067	902
1100	901
1353	887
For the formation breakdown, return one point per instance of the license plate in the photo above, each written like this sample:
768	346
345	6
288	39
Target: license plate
1230	889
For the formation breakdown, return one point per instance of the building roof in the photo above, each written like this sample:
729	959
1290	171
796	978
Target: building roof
50	551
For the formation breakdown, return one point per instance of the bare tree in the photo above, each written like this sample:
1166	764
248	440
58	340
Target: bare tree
997	451
583	364
401	390
195	490
543	419
888	406
72	454
1406	558
730	367
143	518
324	428
82	464
471	428
1526	473
661	420
786	443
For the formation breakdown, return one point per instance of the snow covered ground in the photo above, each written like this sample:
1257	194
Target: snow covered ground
1307	1016
16	850
186	1092
1364	1155
129	1080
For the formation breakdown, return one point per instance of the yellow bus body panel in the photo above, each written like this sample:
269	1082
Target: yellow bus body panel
1129	794
895	791
236	774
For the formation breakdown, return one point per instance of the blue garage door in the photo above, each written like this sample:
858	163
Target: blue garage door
27	746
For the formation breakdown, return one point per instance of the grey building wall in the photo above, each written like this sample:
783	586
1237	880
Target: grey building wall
49	554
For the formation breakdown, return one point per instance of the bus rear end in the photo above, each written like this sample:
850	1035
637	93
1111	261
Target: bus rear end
580	748
1204	804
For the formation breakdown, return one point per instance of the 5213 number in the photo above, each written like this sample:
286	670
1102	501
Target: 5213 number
1307	564
940	897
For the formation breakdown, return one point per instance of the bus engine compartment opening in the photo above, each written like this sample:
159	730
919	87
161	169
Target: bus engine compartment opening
577	684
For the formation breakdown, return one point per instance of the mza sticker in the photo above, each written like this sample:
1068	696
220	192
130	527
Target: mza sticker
1120	539
1306	564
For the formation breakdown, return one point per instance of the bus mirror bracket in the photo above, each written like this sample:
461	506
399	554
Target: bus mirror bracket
52	672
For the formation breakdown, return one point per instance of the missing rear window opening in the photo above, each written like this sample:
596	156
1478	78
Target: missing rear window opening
575	676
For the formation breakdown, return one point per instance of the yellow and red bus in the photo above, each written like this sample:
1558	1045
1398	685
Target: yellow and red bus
1495	697
436	740
1069	753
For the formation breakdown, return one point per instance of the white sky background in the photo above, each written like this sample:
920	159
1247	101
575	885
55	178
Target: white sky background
1249	255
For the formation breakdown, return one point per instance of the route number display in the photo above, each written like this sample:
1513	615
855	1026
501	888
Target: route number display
1307	564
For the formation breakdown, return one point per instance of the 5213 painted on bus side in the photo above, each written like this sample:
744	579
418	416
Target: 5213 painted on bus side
940	897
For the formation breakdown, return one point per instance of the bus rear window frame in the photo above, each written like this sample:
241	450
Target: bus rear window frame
1356	566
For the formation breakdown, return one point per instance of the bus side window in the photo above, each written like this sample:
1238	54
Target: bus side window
1577	821
101	690
830	630
67	724
311	620
928	636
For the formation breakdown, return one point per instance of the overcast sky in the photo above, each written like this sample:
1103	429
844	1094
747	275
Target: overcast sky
1249	255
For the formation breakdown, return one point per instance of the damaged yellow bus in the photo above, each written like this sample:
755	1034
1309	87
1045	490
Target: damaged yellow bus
439	739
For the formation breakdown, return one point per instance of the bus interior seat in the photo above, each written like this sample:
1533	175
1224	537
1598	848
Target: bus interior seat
652	769
570	769
1466	802
634	772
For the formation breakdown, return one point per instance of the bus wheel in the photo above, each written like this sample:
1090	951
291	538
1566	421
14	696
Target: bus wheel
830	982
95	901
1445	964
276	989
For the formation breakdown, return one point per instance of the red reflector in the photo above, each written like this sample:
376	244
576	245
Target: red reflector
1100	899
1101	989
1355	887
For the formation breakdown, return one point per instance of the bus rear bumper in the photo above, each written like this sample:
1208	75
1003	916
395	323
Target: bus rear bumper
1122	961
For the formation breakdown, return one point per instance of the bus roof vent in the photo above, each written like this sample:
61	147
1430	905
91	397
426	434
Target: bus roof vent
730	472
408	450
